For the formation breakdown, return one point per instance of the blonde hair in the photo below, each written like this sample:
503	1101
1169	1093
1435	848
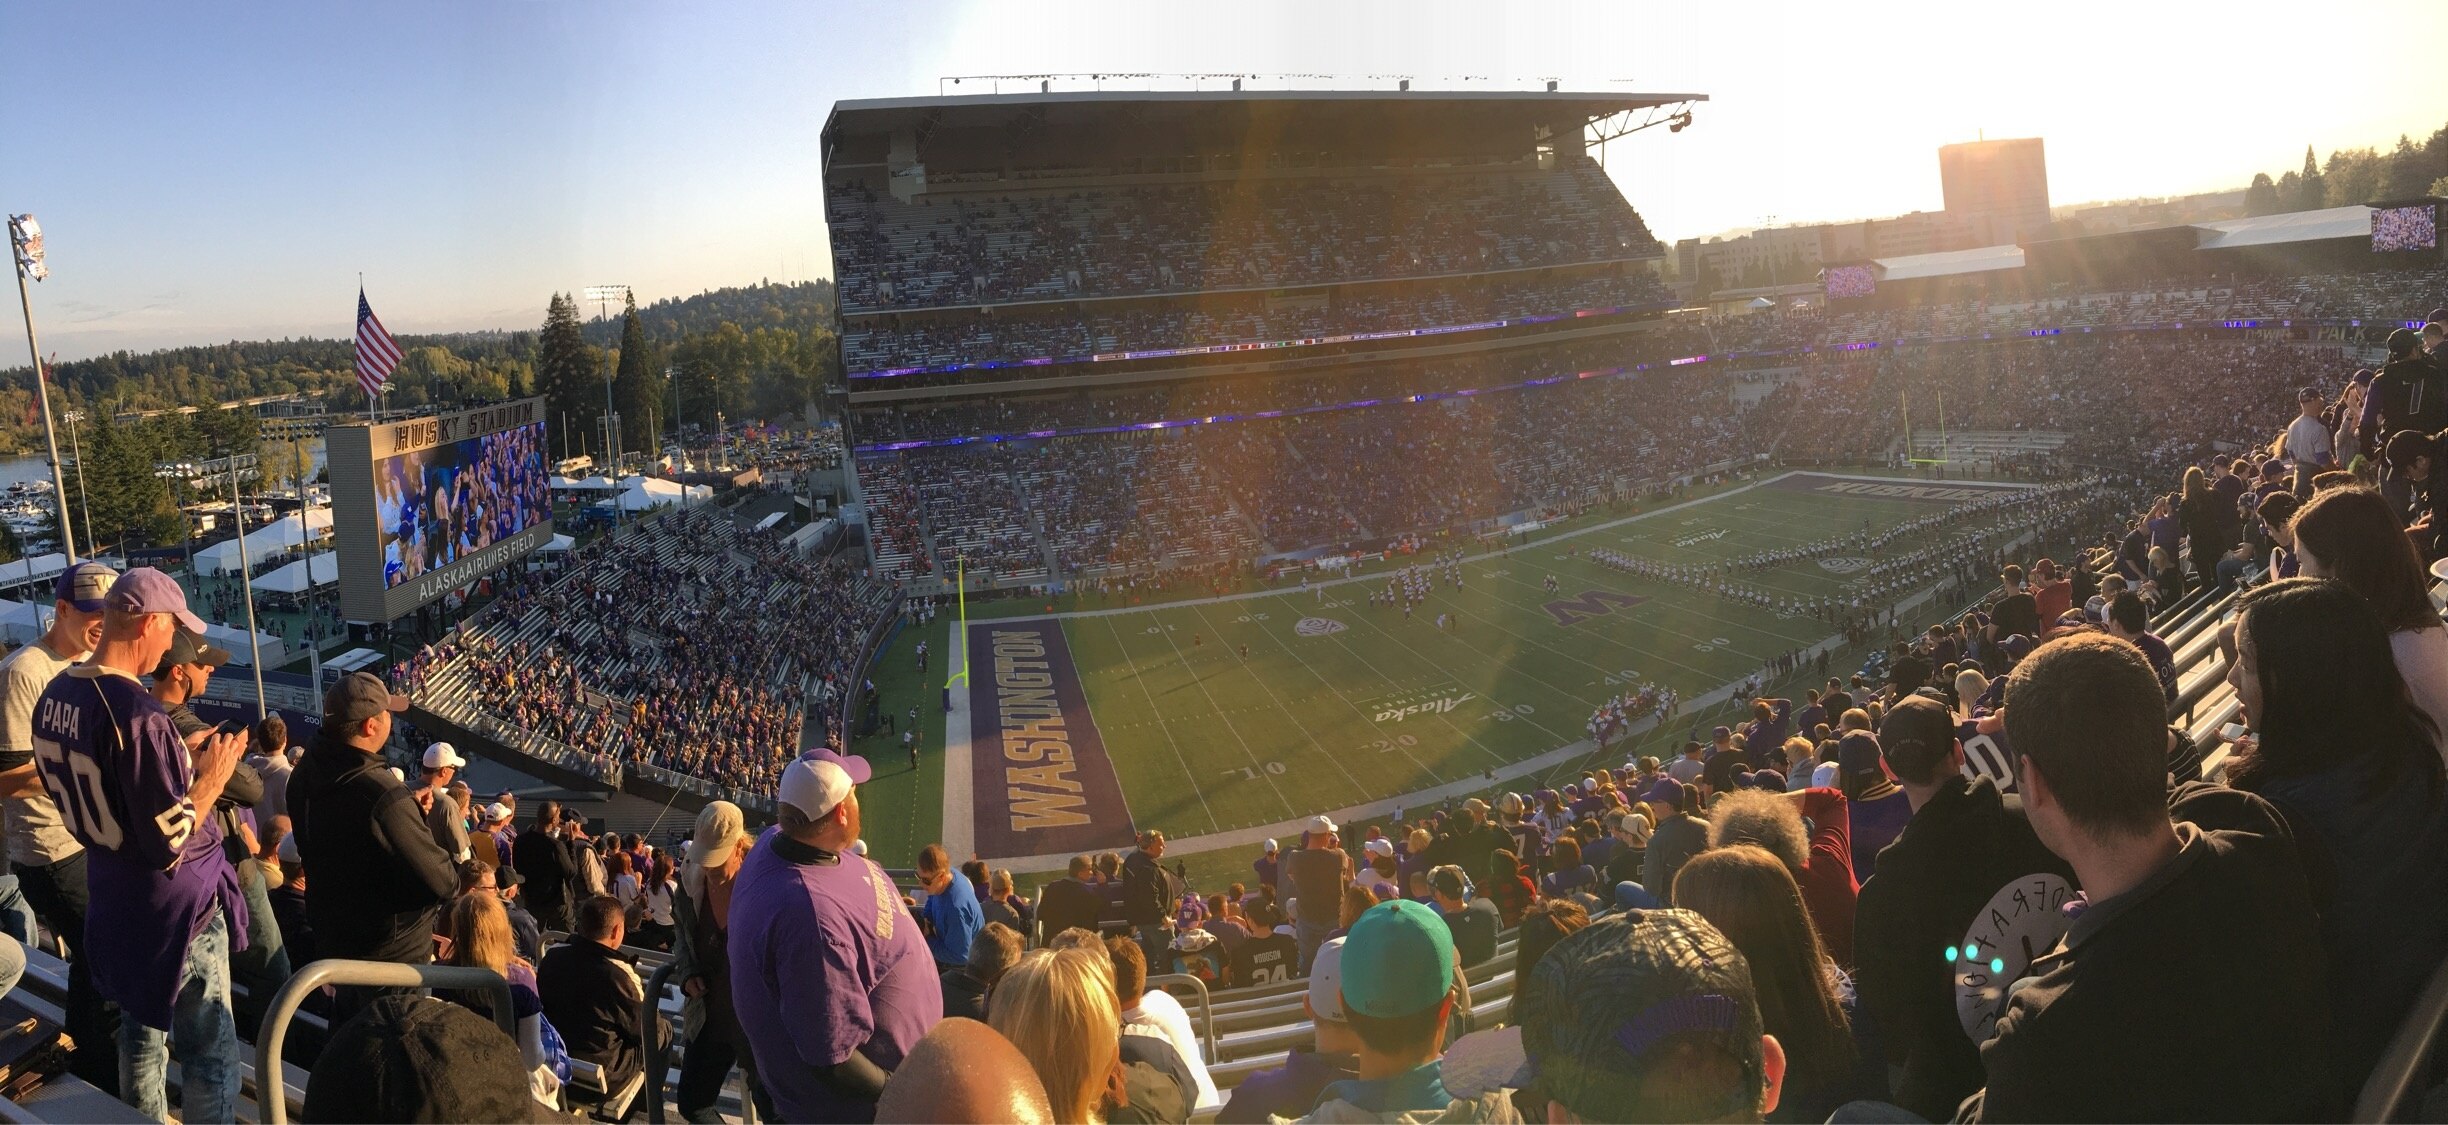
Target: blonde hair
480	933
1970	685
1058	1008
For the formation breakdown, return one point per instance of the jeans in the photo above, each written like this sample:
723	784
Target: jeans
1310	936
16	915
703	1068
57	893
1157	943
264	964
12	964
206	1036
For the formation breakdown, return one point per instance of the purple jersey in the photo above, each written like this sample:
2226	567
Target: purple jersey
109	757
825	961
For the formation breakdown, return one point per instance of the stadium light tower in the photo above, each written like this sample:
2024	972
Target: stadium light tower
603	296
26	251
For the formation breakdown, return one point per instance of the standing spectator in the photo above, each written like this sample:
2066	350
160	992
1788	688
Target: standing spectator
166	908
702	960
591	993
547	866
382	876
1147	899
443	812
830	976
1316	875
1751	897
2307	442
259	963
657	925
2348	758
950	910
1267	865
1511	891
1070	903
1649	1016
1966	846
1002	904
1332	1056
1809	831
2348	534
1473	922
43	855
1678	837
268	752
2194	916
996	949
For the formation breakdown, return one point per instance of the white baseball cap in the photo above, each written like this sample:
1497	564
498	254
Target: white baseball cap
815	787
1272	847
1380	846
442	756
1326	981
497	811
1320	825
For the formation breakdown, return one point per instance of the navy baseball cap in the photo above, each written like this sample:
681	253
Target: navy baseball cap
86	586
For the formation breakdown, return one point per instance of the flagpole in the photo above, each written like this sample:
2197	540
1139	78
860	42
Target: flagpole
42	390
246	581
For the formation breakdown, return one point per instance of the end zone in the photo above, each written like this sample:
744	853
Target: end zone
1038	777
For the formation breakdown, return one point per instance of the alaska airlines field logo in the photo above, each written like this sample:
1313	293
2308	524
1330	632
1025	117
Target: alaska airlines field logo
1703	537
1843	564
1317	626
1591	603
1438	706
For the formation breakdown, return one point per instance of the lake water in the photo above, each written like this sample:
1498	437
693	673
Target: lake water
17	470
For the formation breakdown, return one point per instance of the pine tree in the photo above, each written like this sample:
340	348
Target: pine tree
567	376
637	388
2312	190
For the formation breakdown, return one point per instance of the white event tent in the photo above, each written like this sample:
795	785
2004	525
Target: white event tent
293	578
283	534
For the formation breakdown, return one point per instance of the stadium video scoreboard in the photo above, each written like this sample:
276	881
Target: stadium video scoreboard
423	506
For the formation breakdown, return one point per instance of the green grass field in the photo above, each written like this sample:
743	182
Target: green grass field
1371	706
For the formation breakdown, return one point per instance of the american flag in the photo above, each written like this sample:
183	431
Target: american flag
376	354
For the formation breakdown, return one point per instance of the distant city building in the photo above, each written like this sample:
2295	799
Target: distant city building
1998	188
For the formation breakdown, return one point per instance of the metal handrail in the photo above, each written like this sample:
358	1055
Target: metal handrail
1206	1006
271	1093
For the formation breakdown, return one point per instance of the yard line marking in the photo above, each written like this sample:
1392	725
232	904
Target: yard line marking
1178	756
1229	728
1285	707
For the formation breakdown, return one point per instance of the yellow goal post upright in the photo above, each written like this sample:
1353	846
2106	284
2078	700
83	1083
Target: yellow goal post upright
1912	454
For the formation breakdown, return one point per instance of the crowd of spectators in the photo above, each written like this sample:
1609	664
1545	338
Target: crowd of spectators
1293	230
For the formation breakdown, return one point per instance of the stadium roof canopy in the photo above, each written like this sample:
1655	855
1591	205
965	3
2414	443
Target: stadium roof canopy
1948	263
2351	221
946	129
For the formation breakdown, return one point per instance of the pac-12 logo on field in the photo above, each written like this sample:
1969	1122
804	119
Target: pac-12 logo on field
1843	564
1317	626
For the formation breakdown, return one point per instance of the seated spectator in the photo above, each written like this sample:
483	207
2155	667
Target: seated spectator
480	937
962	1071
1679	836
1649	1016
1807	831
1356	901
2343	752
1226	922
993	952
415	1058
1002	904
2193	915
1567	875
1472	920
1154	1013
1398	982
1876	808
1966	847
1058	1008
1752	899
591	993
1546	924
950	909
1632	830
1332	1056
1511	891
2350	535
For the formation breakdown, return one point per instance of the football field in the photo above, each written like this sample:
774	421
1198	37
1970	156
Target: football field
1226	720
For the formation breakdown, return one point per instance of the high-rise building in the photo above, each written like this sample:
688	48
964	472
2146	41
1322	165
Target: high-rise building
1997	188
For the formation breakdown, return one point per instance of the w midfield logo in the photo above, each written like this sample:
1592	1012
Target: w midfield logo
1591	603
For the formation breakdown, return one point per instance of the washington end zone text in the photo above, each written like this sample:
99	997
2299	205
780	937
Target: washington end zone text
1041	779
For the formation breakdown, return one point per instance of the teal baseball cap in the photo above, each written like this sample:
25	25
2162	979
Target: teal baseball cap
1398	960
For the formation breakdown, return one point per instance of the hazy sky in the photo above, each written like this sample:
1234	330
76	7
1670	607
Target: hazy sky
211	171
